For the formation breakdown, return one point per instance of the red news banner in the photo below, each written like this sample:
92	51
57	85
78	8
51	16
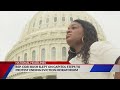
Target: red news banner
6	67
53	66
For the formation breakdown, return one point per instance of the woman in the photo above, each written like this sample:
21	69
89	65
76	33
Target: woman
85	48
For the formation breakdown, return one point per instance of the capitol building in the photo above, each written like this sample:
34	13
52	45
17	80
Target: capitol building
43	39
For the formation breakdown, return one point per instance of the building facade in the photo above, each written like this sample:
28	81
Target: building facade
43	39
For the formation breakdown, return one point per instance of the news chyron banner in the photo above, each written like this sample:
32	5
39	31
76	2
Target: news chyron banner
5	68
48	66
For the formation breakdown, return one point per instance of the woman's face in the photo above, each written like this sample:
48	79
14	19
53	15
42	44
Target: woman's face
74	35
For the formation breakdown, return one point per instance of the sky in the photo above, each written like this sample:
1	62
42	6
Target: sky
12	24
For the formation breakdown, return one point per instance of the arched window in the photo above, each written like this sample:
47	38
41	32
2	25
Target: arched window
25	57
71	19
63	19
34	24
53	53
47	20
33	55
40	22
64	53
43	54
55	19
19	58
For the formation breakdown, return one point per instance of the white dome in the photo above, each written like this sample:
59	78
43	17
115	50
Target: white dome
44	20
49	25
44	38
